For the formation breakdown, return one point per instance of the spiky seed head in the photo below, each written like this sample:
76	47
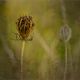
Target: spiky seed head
25	25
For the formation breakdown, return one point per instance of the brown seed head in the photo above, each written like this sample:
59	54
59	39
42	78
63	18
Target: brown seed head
24	26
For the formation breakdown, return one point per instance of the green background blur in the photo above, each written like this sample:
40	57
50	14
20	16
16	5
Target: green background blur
44	55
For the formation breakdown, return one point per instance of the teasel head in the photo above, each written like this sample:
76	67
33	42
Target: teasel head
25	26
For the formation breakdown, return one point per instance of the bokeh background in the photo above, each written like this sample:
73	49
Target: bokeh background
44	56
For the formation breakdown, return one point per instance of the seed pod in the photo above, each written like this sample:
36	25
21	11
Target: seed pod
65	33
24	26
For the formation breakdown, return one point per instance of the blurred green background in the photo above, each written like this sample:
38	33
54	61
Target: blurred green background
44	57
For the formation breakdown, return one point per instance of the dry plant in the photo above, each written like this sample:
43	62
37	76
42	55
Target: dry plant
24	27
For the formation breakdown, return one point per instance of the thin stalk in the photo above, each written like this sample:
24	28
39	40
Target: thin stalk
22	53
63	8
66	60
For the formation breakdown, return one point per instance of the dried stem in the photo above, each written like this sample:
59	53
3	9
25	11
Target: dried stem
66	61
44	44
8	50
22	53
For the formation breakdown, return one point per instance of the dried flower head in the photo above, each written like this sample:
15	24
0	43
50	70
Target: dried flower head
25	26
65	33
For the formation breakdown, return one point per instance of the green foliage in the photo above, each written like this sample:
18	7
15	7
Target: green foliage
61	50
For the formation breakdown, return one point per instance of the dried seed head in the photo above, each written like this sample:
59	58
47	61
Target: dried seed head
65	33
24	26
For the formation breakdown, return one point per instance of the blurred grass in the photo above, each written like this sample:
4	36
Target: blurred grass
48	20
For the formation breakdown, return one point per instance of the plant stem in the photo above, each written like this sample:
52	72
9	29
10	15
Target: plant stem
22	52
66	56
